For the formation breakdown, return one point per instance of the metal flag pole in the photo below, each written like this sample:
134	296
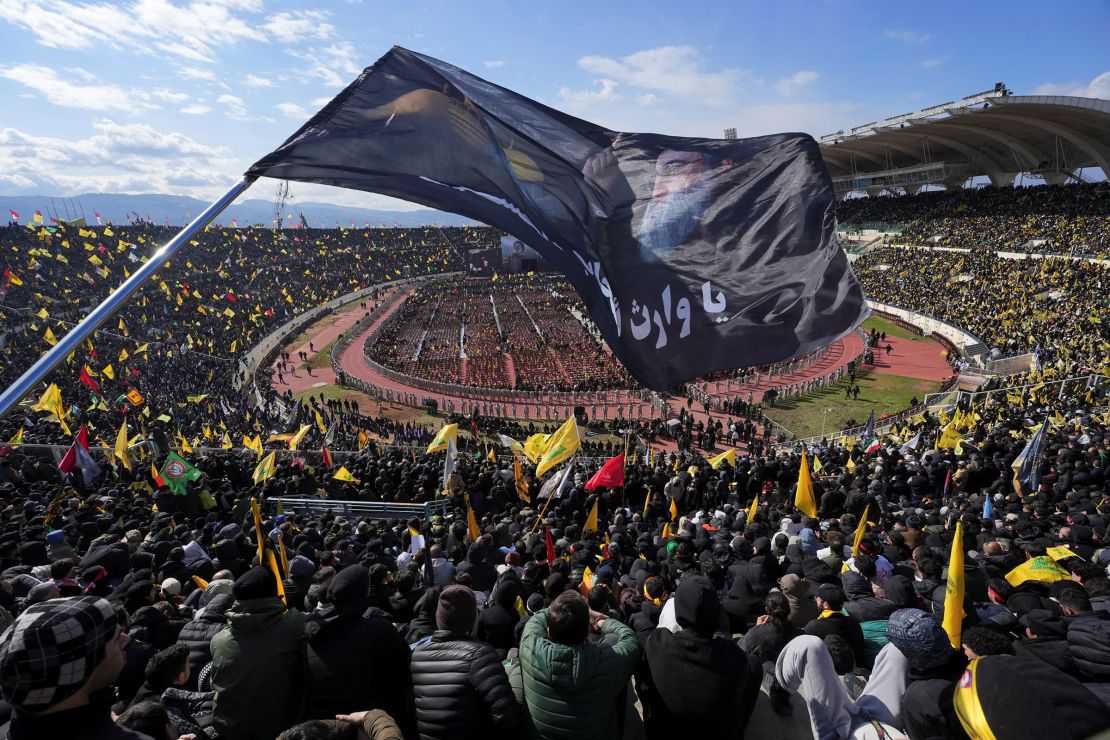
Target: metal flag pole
26	383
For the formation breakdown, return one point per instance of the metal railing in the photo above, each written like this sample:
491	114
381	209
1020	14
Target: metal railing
355	509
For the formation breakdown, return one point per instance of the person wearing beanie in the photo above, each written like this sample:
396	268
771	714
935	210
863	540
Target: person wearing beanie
571	683
461	689
258	662
356	657
934	669
832	620
58	663
692	675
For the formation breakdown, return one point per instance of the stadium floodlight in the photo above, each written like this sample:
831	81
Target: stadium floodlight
26	382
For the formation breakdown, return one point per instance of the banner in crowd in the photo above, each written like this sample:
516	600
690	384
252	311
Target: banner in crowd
692	255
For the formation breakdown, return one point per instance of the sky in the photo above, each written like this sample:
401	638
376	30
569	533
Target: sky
181	96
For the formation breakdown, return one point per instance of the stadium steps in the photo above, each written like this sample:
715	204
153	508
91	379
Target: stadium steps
976	349
464	370
510	369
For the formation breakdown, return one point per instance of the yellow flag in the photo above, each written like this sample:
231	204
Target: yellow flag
183	443
521	484
491	456
225	442
109	372
851	465
363	439
17	439
560	446
861	529
949	438
533	446
265	469
320	422
51	400
123	355
1041	568
120	450
446	433
752	510
43	314
674	510
297	438
344	475
817	466
954	591
729	455
253	444
49	337
472	523
591	520
803	499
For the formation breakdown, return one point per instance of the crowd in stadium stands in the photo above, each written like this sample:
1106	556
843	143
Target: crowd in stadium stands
1053	306
1063	219
217	299
703	591
525	320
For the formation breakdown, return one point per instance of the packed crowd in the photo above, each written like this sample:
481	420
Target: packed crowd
470	332
215	301
1053	306
703	591
1061	219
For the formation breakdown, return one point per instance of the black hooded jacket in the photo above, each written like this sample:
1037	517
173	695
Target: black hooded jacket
198	635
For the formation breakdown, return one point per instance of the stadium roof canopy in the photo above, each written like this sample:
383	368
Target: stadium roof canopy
992	134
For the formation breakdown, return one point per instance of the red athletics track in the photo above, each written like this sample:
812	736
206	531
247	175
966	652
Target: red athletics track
922	359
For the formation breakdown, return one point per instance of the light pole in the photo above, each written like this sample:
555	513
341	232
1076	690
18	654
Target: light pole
824	416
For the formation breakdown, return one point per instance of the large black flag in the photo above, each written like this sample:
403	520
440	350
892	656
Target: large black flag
693	255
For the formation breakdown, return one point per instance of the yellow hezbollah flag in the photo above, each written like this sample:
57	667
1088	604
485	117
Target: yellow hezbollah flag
729	455
521	484
472	523
266	468
344	475
297	438
560	446
120	450
109	372
1040	568
49	337
491	456
803	499
949	438
954	591
533	446
750	517
591	520
253	444
860	531
446	433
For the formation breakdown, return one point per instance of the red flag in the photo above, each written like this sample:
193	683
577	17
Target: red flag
82	437
550	545
327	456
87	380
69	462
611	474
15	216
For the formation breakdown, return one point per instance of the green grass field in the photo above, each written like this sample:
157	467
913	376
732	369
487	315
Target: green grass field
883	393
330	391
323	357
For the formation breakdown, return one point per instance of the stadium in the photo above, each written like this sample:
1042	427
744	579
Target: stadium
436	410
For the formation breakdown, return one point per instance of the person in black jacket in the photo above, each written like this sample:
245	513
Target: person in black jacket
1046	639
691	677
497	624
198	634
833	621
460	687
356	658
482	573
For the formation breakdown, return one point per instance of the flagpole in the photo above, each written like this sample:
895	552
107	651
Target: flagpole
26	382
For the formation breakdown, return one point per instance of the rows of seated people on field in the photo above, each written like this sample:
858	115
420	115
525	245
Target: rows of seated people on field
1054	306
912	592
174	347
1069	219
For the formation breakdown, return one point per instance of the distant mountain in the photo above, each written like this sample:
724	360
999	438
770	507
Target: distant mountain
178	209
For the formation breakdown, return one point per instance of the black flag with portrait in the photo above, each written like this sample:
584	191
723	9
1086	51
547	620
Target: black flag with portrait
693	255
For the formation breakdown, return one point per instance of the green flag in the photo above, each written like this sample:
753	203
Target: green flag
177	473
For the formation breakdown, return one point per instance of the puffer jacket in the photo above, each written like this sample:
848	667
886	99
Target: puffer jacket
258	670
461	690
570	689
198	635
1089	645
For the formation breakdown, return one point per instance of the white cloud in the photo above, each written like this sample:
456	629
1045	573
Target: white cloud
195	73
648	99
292	110
932	63
64	92
607	90
126	158
192	30
1099	87
676	70
494	63
298	25
196	109
170	96
235	106
334	65
253	81
789	85
321	102
910	38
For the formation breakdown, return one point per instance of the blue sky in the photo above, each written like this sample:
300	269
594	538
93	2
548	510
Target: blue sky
180	96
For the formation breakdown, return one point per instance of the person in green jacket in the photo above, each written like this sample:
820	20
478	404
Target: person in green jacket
258	662
570	684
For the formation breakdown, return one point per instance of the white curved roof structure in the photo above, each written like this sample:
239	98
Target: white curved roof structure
991	134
